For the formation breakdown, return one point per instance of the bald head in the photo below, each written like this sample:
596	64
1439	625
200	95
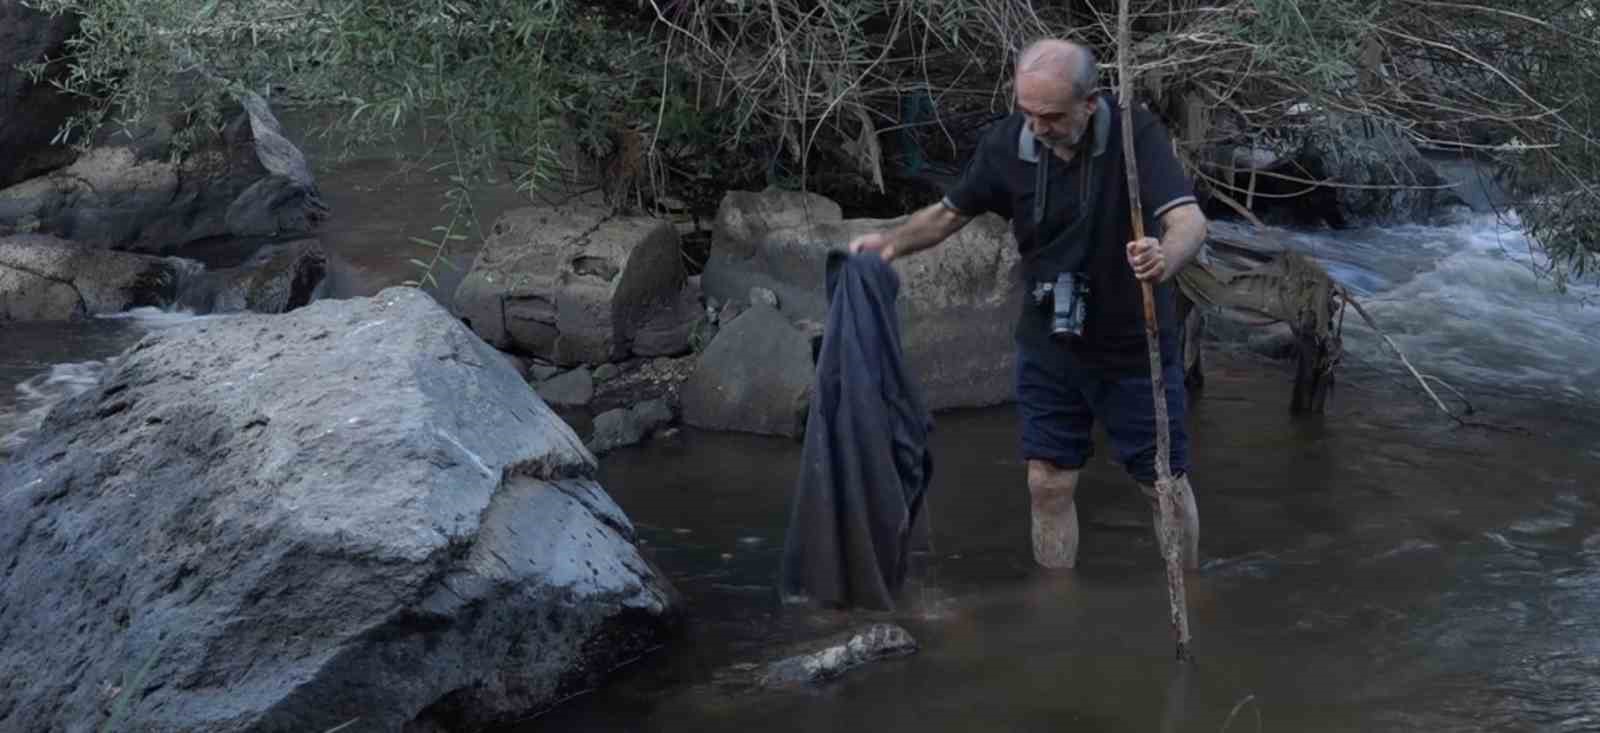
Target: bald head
1062	61
1055	84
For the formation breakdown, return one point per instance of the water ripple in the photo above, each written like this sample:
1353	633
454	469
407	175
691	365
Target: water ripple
36	396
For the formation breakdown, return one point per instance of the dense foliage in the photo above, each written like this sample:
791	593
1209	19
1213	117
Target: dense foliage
680	98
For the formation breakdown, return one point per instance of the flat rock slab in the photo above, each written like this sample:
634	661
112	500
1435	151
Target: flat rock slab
43	278
354	511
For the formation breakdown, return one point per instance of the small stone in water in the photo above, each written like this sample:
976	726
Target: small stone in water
878	641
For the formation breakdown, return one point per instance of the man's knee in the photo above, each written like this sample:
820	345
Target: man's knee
1047	480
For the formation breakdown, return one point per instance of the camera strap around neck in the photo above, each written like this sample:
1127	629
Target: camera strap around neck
1068	250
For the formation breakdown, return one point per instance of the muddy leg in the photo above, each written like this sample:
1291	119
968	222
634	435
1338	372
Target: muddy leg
1055	515
1188	520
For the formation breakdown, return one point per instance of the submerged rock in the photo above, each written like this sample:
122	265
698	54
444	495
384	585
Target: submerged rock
839	655
354	511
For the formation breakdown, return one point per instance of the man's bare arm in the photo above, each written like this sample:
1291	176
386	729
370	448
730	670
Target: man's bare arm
924	229
1183	230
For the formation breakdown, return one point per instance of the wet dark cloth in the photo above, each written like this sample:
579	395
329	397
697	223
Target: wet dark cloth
1003	177
865	465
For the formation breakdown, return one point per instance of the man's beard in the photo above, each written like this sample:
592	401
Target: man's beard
1065	141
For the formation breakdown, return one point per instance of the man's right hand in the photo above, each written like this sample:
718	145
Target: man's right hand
874	242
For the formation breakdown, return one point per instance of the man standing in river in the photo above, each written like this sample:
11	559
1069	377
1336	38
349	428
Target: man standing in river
1055	169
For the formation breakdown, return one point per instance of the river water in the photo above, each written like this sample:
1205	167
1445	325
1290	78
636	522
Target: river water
1377	568
1380	567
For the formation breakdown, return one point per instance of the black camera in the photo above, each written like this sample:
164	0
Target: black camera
1068	301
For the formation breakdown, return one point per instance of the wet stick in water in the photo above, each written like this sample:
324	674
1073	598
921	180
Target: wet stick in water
1170	540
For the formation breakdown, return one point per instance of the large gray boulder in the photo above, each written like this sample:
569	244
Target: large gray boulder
958	301
1388	179
774	240
754	377
43	278
276	279
356	511
32	113
575	284
1376	174
128	193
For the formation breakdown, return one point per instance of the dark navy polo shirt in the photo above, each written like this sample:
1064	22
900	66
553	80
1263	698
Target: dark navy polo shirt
1001	177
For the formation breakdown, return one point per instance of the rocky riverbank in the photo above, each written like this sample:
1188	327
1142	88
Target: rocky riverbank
389	509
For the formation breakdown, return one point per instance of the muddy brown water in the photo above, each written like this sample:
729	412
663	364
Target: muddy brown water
1376	568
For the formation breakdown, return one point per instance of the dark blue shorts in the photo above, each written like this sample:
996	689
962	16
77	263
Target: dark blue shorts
1060	399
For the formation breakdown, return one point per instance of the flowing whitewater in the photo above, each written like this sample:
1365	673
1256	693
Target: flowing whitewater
38	370
1469	302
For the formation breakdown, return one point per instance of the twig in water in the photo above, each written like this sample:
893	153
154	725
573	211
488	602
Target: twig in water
1248	699
1457	392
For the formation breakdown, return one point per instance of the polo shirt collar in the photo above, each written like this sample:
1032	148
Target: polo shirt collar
1028	146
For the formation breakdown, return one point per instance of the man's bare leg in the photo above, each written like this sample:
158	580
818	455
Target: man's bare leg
1055	515
1188	520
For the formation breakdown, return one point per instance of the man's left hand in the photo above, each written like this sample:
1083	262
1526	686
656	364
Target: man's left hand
1148	260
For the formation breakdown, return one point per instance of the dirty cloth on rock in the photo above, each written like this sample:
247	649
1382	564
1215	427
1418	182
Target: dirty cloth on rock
866	464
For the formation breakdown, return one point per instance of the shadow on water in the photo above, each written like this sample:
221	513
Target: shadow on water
1376	569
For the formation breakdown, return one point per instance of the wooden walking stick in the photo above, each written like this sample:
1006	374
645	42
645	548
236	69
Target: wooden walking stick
1169	529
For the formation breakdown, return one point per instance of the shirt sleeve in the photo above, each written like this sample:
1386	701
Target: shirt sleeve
1163	185
977	191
